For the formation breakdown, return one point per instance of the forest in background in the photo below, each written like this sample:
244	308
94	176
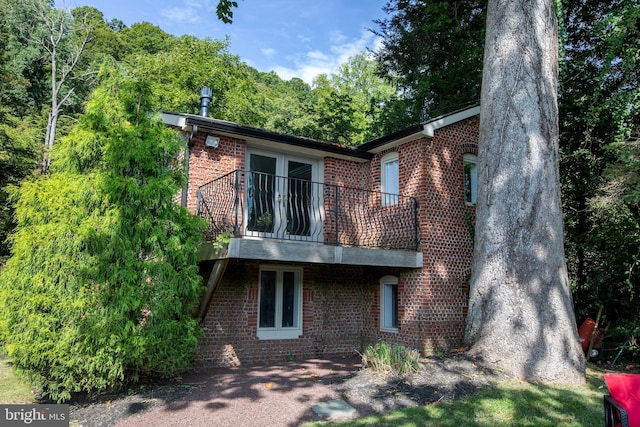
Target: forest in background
430	63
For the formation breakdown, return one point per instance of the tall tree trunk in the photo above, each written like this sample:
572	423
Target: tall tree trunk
520	311
49	138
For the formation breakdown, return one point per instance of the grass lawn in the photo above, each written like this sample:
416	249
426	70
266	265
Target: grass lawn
513	403
12	388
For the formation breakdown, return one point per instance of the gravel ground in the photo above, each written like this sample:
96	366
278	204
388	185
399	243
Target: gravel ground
280	395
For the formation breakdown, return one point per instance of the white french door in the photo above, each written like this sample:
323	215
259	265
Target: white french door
281	199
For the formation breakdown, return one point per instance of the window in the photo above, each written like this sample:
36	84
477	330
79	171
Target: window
389	303
390	178
470	164
280	303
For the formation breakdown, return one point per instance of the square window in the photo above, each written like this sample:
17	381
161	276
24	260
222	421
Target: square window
280	303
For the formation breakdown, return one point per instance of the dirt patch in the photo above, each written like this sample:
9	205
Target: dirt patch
281	394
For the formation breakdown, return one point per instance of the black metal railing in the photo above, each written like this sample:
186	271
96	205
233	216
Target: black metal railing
269	206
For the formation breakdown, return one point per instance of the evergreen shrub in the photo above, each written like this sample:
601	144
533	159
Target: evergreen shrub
103	283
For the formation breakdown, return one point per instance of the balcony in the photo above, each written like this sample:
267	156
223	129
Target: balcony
261	216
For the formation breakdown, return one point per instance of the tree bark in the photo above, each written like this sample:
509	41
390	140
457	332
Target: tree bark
521	315
58	33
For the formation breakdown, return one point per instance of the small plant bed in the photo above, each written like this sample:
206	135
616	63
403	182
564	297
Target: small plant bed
391	358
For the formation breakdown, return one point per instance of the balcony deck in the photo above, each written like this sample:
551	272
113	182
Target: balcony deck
270	218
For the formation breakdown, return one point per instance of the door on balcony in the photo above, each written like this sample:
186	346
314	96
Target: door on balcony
280	197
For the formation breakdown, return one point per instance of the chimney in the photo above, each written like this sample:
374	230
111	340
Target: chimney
205	99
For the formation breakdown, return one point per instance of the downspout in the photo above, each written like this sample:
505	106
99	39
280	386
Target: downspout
185	187
206	94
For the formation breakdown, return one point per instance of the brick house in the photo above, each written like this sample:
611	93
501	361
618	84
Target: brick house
322	249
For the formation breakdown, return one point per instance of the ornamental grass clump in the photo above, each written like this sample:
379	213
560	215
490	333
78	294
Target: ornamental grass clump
391	358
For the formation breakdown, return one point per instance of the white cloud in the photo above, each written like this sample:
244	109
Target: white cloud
316	55
181	14
268	51
337	37
307	73
346	50
190	11
309	65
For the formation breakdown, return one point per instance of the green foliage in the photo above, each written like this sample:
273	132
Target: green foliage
222	240
344	108
333	114
283	103
180	71
224	10
16	163
350	103
103	278
16	154
394	358
32	91
146	38
435	51
599	114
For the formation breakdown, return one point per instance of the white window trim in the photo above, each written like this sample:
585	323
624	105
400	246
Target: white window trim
390	198
387	280
279	333
471	158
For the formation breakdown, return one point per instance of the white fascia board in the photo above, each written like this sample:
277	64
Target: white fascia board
174	120
430	128
297	150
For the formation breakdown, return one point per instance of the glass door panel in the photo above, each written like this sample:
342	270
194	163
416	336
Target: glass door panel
289	300
299	198
261	193
268	290
281	201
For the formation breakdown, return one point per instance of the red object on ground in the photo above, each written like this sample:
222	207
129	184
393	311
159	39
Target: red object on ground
584	332
625	389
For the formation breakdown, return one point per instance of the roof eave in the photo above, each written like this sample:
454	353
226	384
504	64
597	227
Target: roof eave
413	132
185	121
430	127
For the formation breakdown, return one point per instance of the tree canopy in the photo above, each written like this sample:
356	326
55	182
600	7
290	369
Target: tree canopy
434	49
599	115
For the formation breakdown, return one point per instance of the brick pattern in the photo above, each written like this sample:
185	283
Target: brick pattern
206	163
334	315
341	305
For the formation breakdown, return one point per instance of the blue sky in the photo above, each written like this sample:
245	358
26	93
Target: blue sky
295	38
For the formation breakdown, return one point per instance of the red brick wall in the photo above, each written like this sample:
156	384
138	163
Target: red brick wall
341	304
445	237
206	163
335	314
433	300
347	174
